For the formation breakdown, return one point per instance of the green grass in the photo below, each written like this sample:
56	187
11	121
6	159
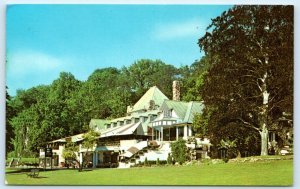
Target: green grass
277	172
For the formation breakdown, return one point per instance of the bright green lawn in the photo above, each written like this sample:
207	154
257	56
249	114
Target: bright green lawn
278	172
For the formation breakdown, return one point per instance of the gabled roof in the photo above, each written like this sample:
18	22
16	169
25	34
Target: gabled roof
184	110
98	124
152	94
193	108
179	107
74	138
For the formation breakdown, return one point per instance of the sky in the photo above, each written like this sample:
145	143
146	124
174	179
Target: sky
44	40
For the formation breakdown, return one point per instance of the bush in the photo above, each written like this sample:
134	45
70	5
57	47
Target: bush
179	149
169	159
146	162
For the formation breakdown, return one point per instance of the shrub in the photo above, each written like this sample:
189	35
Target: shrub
146	162
179	149
169	159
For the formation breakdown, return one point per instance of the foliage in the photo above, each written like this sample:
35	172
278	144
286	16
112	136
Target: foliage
169	159
157	161
146	73
146	162
192	78
9	133
70	151
90	139
179	149
200	122
250	77
44	113
246	141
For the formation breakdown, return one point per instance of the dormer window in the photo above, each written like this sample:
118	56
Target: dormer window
168	113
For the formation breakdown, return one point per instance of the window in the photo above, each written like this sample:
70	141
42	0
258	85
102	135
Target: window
121	123
115	124
272	136
153	117
136	120
145	119
128	121
168	113
108	126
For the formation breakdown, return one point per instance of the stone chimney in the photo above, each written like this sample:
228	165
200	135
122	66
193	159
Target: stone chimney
176	90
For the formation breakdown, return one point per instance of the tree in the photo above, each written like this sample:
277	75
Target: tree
9	133
59	111
178	150
89	142
26	122
192	78
250	79
106	88
146	73
71	148
44	113
70	153
200	122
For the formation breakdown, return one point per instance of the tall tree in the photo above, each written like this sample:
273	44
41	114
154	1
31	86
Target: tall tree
60	115
105	88
192	78
146	73
250	80
9	133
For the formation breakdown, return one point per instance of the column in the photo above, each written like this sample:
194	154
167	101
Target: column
94	159
190	131
176	133
80	158
158	135
162	133
152	132
185	132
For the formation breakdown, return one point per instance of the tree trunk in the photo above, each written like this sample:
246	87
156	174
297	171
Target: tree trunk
264	116
264	141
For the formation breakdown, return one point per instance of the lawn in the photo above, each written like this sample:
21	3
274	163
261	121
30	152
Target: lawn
271	173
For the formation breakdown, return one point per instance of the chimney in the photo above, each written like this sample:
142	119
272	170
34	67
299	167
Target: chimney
176	90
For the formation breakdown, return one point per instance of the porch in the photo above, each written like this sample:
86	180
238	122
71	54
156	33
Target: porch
171	132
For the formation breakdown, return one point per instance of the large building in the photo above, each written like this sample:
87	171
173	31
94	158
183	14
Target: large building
152	119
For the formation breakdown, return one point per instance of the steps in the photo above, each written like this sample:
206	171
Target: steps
160	153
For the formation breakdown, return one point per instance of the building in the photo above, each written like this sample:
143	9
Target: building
152	119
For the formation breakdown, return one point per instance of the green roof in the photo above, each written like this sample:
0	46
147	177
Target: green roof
193	108
179	107
184	110
98	123
152	94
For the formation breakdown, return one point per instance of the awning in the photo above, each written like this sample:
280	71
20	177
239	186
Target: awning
120	130
107	148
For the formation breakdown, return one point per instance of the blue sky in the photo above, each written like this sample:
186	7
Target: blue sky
43	40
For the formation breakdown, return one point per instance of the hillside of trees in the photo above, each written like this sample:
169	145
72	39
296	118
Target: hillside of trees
245	80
